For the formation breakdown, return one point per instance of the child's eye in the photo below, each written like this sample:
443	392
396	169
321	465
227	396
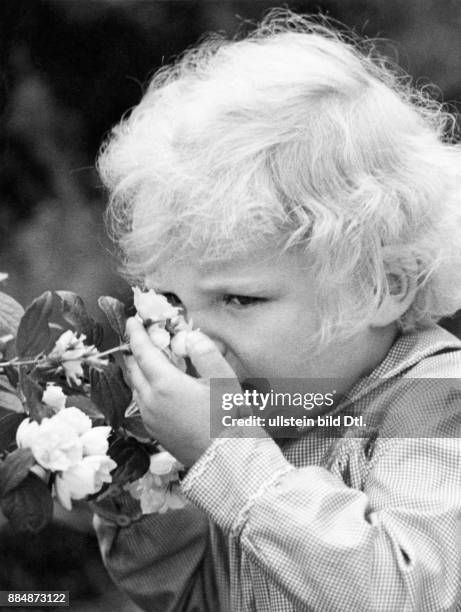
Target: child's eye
242	300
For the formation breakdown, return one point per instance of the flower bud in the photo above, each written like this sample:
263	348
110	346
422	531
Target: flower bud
159	336
151	305
178	343
54	397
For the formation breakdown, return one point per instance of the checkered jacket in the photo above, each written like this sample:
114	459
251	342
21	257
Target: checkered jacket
316	523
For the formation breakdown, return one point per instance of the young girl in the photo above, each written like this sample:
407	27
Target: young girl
302	203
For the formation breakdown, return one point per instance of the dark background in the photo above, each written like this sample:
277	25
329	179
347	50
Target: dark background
69	69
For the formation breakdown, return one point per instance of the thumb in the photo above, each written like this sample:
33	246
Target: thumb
206	357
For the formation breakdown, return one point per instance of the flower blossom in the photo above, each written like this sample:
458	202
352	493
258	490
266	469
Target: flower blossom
55	445
85	478
169	329
62	440
70	352
66	443
159	336
159	489
178	342
95	440
151	305
75	418
54	397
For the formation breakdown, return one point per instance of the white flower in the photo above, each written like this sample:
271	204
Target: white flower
54	397
165	466
174	499
26	433
74	418
102	465
73	370
178	343
66	342
95	440
158	489
70	351
159	336
54	444
154	497
85	478
151	496
151	305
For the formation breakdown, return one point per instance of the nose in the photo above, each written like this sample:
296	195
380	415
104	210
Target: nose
204	321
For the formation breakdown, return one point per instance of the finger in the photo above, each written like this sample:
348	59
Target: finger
135	376
206	357
152	362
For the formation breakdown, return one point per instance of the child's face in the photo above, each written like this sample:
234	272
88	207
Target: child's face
261	313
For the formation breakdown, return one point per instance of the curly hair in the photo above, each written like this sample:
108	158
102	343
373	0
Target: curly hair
299	136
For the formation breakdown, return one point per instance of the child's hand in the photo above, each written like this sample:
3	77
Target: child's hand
175	407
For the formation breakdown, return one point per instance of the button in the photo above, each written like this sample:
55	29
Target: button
123	520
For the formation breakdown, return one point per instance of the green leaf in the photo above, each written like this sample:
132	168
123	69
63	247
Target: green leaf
14	469
11	313
85	405
132	460
34	332
5	384
9	424
74	312
12	375
134	425
110	393
28	507
33	393
9	400
8	348
115	313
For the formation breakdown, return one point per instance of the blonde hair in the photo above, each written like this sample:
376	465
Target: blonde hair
296	135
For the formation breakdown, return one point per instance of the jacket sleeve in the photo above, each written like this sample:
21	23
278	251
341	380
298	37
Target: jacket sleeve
395	545
161	561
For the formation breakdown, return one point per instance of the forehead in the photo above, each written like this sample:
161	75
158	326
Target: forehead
256	268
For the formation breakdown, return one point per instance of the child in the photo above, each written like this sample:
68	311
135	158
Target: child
302	203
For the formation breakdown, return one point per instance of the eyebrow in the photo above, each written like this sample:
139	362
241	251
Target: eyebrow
219	286
233	285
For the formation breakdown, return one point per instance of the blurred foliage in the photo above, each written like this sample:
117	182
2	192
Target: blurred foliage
59	559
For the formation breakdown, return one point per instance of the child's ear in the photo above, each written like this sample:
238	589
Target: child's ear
397	301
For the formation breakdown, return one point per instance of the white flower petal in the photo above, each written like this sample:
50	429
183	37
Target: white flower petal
178	343
54	396
95	440
75	418
159	336
151	305
164	463
152	500
26	433
56	446
62	492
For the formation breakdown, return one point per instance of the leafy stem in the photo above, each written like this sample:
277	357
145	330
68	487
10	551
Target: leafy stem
15	362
